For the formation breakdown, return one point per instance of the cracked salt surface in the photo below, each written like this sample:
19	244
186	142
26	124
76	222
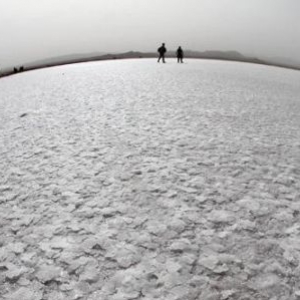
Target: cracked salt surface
135	180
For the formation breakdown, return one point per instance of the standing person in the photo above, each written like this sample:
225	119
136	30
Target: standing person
179	54
162	50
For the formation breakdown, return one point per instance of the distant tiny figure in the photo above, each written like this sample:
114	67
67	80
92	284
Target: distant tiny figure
162	50
179	54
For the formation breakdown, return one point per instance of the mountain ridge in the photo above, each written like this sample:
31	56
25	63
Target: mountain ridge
230	55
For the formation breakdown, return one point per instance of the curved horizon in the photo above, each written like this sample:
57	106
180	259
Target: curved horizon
39	29
81	58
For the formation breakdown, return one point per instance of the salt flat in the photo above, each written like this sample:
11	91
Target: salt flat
137	180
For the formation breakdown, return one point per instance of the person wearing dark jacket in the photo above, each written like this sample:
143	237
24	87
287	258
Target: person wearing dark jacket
162	50
179	54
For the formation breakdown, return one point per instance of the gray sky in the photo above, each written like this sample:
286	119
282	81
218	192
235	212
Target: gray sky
35	29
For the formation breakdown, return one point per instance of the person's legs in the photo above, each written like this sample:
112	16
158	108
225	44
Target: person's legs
163	58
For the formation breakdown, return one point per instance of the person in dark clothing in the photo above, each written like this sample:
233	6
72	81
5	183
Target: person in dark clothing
162	50
179	54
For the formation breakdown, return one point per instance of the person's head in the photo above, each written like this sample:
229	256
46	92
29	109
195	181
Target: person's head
163	44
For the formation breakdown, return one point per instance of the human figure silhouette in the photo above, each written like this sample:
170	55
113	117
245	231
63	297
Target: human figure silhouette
162	50
179	54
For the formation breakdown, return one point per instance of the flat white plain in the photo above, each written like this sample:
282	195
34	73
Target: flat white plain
137	180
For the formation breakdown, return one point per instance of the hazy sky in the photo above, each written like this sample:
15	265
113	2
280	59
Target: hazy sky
35	29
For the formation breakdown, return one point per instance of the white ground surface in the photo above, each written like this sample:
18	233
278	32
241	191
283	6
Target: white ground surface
136	180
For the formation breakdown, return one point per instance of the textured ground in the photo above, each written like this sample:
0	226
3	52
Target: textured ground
136	180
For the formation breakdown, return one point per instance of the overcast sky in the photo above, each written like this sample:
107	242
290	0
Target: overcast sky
34	29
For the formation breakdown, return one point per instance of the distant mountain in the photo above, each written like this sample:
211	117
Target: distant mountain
292	63
224	55
95	56
64	59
